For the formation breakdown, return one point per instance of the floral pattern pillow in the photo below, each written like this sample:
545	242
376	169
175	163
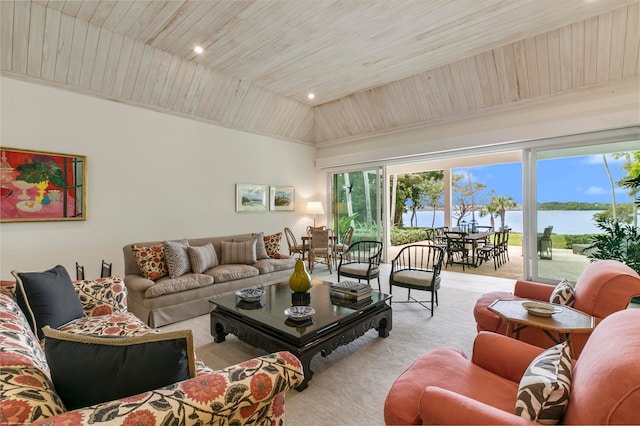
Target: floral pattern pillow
272	244
151	260
102	296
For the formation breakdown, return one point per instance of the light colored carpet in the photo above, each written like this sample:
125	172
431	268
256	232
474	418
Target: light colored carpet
349	386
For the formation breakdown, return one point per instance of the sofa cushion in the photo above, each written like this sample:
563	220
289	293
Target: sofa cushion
272	245
177	257
176	285
222	273
563	294
102	296
151	260
543	393
202	257
28	395
239	252
261	251
27	392
266	266
119	324
47	298
88	370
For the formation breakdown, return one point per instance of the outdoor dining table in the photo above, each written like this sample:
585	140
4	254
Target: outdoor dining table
474	238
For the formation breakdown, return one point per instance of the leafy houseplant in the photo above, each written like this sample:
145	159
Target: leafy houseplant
620	241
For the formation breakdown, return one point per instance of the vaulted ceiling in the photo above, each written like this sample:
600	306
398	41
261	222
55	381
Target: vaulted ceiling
375	66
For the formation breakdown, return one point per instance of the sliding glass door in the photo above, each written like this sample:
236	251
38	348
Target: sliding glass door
576	188
357	201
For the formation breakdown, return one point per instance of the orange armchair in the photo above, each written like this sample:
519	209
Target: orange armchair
603	288
444	387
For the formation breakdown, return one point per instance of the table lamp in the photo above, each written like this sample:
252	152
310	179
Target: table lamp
314	208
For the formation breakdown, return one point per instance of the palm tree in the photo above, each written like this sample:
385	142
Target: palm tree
503	203
490	209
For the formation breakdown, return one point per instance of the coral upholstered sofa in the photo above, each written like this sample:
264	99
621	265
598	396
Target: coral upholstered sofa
29	392
604	287
444	387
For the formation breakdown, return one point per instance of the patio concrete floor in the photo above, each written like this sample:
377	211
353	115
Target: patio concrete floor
564	264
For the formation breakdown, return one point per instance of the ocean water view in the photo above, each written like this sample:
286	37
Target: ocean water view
569	222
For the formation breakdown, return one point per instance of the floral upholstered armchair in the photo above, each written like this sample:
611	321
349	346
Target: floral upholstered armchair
249	392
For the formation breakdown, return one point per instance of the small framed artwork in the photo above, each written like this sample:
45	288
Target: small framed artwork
37	186
251	198
282	199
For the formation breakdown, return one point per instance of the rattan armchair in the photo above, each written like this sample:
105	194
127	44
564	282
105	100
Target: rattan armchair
417	267
361	261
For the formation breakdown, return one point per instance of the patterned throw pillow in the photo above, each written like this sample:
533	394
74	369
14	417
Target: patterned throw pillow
239	252
543	394
151	260
177	257
261	251
563	294
272	245
102	296
202	258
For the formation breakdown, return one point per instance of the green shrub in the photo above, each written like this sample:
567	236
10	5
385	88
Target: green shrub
570	240
401	236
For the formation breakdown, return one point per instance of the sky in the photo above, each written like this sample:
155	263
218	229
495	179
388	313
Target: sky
566	179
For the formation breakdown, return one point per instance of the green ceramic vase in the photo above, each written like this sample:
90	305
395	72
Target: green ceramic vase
300	280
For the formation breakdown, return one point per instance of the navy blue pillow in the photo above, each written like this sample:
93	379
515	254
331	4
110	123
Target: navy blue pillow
47	298
88	370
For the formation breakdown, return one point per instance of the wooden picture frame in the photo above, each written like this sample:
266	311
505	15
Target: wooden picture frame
40	186
251	198
282	199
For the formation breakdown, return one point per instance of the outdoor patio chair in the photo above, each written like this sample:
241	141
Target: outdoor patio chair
361	261
417	267
544	243
491	251
457	250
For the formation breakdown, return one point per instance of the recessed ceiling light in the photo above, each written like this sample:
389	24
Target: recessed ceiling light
311	96
198	49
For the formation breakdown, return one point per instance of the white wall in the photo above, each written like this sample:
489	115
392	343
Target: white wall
151	177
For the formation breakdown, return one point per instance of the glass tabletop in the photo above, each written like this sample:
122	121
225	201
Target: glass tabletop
270	309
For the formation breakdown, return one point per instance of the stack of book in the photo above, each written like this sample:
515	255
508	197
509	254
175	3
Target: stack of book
350	291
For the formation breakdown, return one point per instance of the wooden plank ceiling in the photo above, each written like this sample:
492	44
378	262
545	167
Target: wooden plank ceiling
374	66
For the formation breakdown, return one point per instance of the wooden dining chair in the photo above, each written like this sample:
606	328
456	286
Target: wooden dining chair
105	270
294	247
344	243
320	248
79	272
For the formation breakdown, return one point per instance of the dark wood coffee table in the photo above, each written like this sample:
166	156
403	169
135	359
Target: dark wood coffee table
265	326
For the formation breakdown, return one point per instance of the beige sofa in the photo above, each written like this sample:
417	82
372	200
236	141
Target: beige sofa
166	300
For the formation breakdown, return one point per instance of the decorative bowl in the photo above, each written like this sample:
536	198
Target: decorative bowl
299	313
541	309
250	294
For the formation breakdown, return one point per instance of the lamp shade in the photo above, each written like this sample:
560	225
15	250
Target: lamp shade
314	207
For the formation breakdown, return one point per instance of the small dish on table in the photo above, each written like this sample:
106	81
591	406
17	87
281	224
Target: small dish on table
299	313
541	309
250	294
